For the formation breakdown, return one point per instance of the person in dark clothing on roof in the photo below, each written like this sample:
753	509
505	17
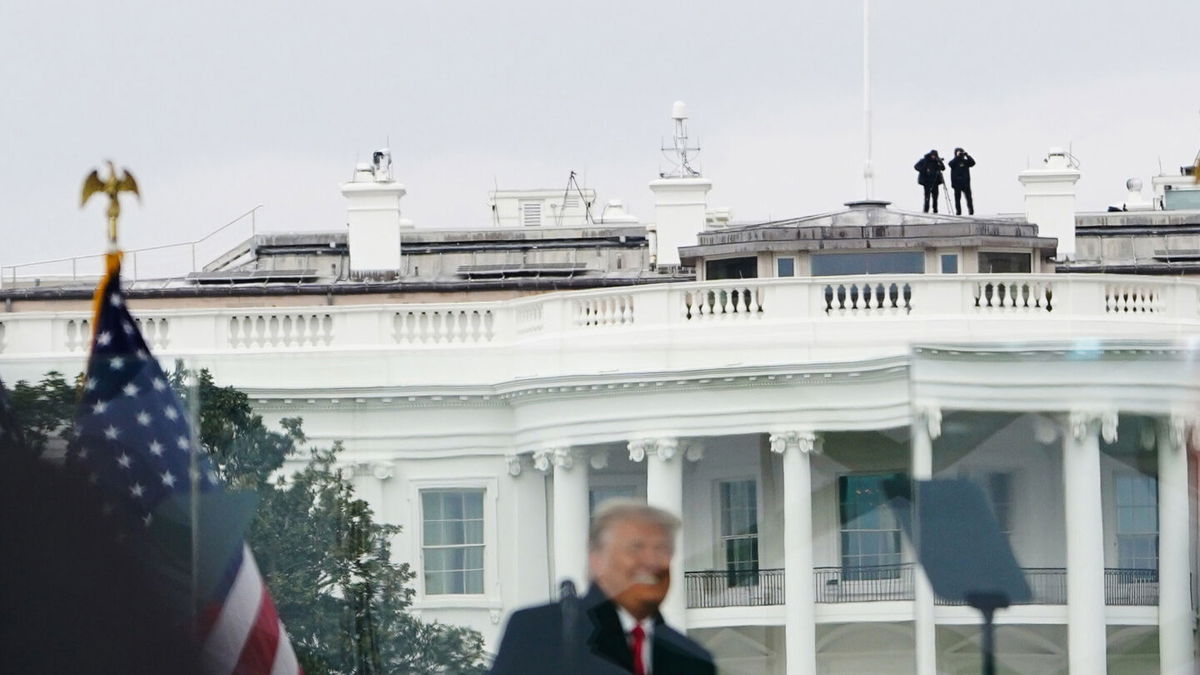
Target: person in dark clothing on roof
960	180
929	175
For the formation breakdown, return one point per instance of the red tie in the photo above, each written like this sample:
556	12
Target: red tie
639	643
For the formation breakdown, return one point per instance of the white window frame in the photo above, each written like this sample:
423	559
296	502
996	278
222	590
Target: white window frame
722	564
490	598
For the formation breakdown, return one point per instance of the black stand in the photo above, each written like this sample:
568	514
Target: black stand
987	604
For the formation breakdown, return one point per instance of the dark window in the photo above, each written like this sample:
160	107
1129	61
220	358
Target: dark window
1137	522
870	532
950	264
731	268
785	267
739	531
1003	263
839	264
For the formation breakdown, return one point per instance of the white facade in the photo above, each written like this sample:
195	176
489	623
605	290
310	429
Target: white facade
688	394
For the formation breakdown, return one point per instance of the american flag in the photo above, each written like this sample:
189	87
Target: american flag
133	440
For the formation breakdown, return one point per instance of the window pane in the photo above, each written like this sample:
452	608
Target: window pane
786	267
453	532
900	262
950	264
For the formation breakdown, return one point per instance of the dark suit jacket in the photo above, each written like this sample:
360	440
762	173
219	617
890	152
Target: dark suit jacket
584	637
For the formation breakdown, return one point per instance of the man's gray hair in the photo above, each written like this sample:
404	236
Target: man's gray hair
618	510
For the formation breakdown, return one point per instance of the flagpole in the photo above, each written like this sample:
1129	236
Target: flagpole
868	169
194	475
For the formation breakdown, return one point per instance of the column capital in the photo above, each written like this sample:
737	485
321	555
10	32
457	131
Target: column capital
1084	421
1178	429
560	457
598	459
930	415
805	441
514	464
664	449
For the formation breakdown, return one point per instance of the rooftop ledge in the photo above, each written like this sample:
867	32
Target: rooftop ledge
659	327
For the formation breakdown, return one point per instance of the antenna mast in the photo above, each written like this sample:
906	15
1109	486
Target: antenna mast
868	168
680	148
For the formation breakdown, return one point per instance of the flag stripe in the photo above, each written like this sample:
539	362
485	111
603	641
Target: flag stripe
224	645
285	658
259	651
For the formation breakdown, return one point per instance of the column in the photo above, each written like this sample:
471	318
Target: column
664	489
1174	598
570	470
927	425
1086	637
800	619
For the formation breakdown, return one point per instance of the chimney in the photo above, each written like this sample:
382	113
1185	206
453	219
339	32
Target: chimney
373	217
680	196
1050	199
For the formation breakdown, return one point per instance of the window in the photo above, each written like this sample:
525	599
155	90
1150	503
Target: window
531	214
739	531
785	267
1137	522
602	493
950	263
1003	263
838	264
870	534
731	268
452	541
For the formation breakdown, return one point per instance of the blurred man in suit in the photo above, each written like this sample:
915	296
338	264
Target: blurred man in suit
615	628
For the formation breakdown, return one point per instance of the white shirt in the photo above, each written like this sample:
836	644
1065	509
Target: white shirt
647	624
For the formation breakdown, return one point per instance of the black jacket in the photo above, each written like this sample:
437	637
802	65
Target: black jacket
929	171
584	637
960	171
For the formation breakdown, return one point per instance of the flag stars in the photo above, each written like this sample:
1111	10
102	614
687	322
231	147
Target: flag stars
99	407
137	490
168	479
124	460
90	384
127	327
159	384
147	519
104	339
170	413
183	443
116	363
130	390
141	355
115	300
143	418
156	448
111	433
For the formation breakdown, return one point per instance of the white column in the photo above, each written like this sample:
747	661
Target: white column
1086	638
1174	599
800	618
570	513
927	425
664	489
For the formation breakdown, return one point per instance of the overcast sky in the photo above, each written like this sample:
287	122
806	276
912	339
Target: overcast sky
219	106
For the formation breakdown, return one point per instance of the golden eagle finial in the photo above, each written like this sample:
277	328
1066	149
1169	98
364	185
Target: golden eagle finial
110	186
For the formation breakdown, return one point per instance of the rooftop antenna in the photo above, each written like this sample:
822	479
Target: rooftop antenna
587	205
680	148
868	168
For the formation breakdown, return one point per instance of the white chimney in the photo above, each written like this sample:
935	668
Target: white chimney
680	196
1050	199
373	216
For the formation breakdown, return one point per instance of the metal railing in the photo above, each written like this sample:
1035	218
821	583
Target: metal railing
863	584
8	273
1047	585
1130	587
741	588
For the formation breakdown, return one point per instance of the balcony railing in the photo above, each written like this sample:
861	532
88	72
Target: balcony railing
743	588
863	584
1048	586
1131	587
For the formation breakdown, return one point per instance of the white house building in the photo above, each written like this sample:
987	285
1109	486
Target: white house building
487	410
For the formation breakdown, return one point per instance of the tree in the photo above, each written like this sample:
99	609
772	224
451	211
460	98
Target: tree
327	562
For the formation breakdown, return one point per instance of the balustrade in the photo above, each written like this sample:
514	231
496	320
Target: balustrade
1132	299
1014	294
734	588
728	302
444	326
604	310
529	319
868	298
265	331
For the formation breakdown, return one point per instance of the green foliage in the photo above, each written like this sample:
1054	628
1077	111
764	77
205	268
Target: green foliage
327	562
